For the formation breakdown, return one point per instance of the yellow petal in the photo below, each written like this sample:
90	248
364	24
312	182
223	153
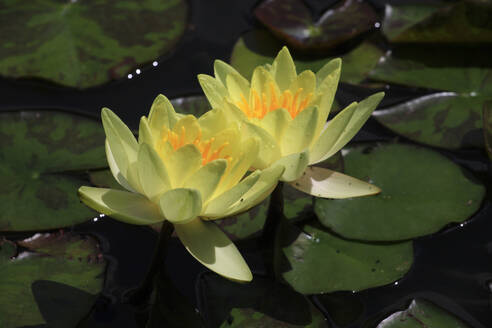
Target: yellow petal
162	115
181	205
343	127
295	165
321	182
284	69
245	158
123	145
260	84
220	204
276	123
215	92
237	87
152	173
305	81
144	132
189	127
115	170
301	132
222	70
121	205
182	164
269	150
260	190
328	78
207	178
211	247
211	122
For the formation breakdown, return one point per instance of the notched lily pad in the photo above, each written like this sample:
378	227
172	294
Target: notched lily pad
298	206
443	119
422	191
79	44
259	47
422	313
40	153
315	261
261	303
291	21
54	281
459	22
194	105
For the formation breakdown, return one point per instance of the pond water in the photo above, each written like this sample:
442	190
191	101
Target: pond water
451	268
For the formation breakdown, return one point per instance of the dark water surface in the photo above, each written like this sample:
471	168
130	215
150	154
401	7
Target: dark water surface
453	268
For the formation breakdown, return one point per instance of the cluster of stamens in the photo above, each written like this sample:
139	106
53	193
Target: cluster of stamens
260	106
205	147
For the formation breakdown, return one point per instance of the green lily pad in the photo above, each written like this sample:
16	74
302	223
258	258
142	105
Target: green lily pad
259	47
39	151
54	281
314	261
291	21
458	22
422	313
104	179
194	105
298	206
464	70
86	43
261	303
443	119
487	127
422	191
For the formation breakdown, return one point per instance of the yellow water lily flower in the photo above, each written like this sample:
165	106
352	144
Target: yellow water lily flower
288	112
187	171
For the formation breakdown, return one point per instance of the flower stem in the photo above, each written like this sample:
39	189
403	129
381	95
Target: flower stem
275	215
141	294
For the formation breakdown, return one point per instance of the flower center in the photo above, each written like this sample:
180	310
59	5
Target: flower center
258	106
209	149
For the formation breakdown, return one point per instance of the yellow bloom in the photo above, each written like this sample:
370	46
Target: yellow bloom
185	170
288	113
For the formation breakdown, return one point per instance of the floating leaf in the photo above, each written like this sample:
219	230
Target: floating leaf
104	179
298	206
54	281
443	119
86	43
464	70
449	119
291	21
422	313
261	303
487	127
314	261
194	105
459	22
422	191
258	47
38	150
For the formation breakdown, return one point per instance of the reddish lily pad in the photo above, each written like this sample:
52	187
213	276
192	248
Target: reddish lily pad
291	21
314	261
259	47
422	313
261	303
40	155
86	43
54	267
459	22
422	191
443	119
